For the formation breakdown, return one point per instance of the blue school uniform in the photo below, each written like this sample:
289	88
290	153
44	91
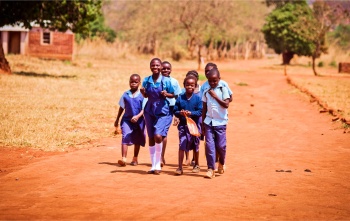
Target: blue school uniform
177	91
215	126
193	104
132	133
156	111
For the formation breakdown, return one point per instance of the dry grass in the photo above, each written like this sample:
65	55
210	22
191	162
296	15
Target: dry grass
53	105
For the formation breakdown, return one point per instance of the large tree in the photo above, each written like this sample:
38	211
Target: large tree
280	35
55	14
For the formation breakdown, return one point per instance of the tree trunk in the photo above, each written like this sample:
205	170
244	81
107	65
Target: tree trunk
287	57
199	57
4	65
314	66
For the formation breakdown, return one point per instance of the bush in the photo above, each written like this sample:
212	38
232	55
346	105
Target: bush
333	64
320	64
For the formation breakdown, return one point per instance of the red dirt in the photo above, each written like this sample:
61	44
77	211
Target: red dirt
271	128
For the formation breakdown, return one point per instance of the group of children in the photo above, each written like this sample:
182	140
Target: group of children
153	106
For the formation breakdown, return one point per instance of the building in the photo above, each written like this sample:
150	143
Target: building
37	42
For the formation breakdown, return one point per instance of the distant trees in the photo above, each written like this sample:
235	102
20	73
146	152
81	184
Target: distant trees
280	34
55	14
295	28
194	29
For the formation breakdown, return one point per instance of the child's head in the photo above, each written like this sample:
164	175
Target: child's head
213	77
208	67
166	68
134	82
156	66
190	84
193	73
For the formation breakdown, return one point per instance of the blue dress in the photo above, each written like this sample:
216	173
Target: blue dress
157	110
133	133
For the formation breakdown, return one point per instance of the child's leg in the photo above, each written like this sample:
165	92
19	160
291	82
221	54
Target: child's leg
165	139
158	153
220	144
209	146
181	158
134	161
122	162
187	161
152	150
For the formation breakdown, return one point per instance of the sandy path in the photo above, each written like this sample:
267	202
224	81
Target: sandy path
271	127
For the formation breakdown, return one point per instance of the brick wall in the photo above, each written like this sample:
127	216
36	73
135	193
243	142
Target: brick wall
61	46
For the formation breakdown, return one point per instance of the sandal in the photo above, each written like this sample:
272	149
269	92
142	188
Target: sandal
134	163
196	169
179	171
122	163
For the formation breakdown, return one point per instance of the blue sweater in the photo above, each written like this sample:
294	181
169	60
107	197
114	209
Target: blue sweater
194	105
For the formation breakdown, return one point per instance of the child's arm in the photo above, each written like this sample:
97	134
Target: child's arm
135	118
204	113
167	95
223	103
120	111
143	92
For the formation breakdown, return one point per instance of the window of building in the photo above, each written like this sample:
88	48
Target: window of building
46	38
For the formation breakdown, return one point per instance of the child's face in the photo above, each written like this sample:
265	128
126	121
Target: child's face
206	70
134	83
166	69
213	80
156	67
190	86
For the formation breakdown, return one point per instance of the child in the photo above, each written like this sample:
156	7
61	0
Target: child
216	100
166	71
156	112
206	86
132	123
196	91
188	104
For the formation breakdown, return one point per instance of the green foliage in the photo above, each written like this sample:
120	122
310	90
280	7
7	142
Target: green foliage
333	64
279	33
341	35
55	14
320	64
97	28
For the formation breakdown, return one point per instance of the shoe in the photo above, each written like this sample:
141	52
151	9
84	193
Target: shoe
196	169
193	163
210	174
157	172
122	163
150	172
133	163
179	171
221	168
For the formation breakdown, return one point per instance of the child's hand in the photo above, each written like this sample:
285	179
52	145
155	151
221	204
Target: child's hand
143	92
134	119
164	93
117	130
212	93
176	121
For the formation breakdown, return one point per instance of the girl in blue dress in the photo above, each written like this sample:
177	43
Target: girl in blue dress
132	122
156	112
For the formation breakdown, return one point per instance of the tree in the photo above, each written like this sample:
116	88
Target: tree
325	16
55	14
280	35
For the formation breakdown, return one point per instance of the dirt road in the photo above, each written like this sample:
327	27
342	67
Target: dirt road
285	161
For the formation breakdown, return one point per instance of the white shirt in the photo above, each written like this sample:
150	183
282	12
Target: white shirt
216	114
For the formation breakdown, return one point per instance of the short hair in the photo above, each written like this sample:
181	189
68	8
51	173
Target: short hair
155	59
193	73
190	77
166	62
214	71
135	75
211	65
